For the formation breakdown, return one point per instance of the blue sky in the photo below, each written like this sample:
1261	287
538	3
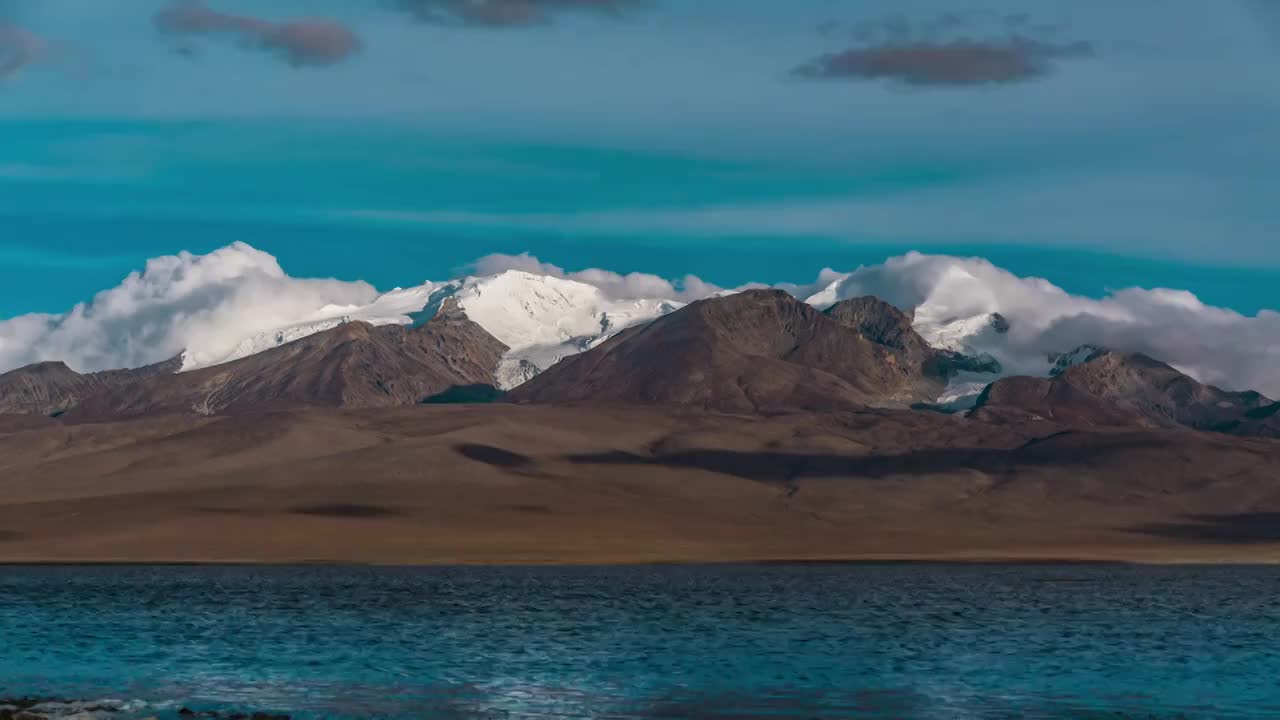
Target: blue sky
1111	144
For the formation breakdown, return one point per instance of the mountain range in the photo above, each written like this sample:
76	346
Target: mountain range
549	340
746	426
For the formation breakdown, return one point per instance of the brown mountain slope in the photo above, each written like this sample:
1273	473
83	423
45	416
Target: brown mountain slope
883	324
1118	389
52	388
755	351
353	365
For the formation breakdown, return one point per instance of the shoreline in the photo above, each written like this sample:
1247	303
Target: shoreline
988	561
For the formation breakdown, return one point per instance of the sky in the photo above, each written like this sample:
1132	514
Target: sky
1100	145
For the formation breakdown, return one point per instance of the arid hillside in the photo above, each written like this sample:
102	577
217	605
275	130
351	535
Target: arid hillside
515	484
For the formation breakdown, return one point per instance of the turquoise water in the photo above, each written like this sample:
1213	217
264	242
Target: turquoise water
858	641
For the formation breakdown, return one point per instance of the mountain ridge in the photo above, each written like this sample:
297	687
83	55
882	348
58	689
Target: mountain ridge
352	365
1118	388
52	388
753	351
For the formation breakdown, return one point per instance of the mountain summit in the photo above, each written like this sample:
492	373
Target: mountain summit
1115	388
754	351
52	388
353	365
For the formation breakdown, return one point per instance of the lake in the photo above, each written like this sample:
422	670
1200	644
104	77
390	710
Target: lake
767	641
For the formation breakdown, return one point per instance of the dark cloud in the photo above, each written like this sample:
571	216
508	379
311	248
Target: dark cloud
898	50
18	49
299	42
507	13
959	62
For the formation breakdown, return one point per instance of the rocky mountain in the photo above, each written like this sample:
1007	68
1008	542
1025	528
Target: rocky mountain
1021	399
886	325
52	388
354	365
755	351
1114	388
883	324
1259	422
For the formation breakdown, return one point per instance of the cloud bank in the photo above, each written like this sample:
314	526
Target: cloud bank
298	42
208	304
203	303
1212	344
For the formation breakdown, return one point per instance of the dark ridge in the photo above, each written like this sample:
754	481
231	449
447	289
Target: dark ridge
948	364
1237	529
934	408
534	509
786	467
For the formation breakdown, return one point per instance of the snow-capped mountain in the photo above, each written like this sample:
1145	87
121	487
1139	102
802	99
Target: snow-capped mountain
542	318
979	336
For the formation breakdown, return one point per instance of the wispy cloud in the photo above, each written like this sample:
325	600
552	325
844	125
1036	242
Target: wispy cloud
299	42
18	49
507	13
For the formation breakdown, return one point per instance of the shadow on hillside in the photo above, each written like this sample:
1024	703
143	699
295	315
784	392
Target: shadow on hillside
344	510
466	395
495	456
766	466
1237	529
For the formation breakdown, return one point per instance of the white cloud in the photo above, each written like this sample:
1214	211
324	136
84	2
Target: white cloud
205	304
1213	344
